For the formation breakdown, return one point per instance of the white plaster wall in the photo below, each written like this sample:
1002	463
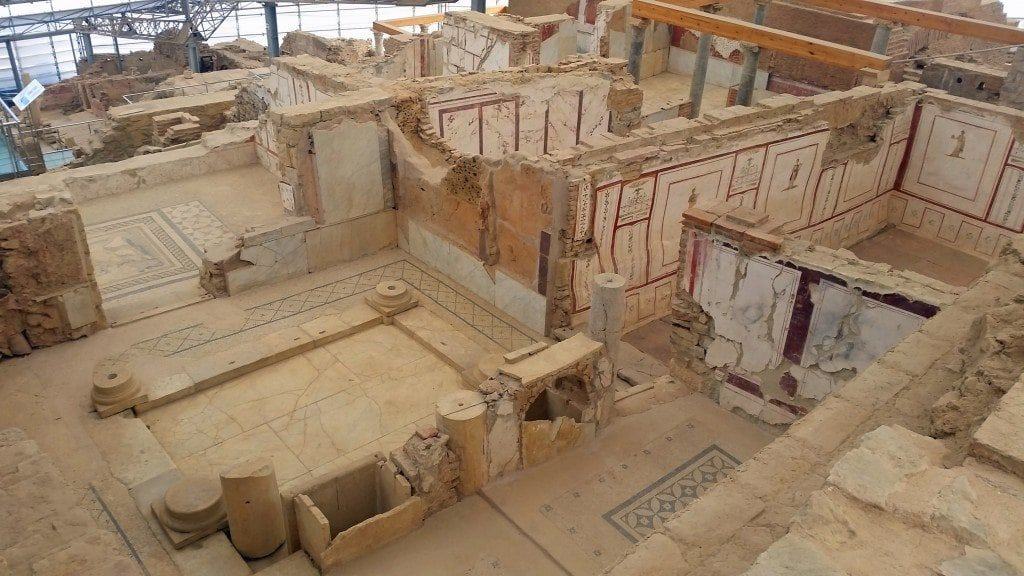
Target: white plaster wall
504	292
720	72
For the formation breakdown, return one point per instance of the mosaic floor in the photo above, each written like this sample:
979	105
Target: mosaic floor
590	506
151	261
362	394
646	511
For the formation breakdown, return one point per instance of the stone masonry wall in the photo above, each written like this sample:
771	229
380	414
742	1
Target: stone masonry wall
941	382
772	328
133	123
48	293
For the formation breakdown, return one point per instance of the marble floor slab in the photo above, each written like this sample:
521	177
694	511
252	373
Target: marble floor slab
361	394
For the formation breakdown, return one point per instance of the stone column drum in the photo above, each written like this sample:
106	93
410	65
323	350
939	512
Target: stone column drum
463	416
607	311
255	512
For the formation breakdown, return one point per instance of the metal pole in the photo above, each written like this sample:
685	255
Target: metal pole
751	56
700	73
881	40
14	65
87	43
478	5
117	55
745	92
273	42
193	54
636	49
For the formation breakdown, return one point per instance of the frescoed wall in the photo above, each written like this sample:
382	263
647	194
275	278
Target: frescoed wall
533	121
964	178
637	223
786	332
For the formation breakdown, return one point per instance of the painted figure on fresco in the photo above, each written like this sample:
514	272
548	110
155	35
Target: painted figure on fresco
793	175
959	142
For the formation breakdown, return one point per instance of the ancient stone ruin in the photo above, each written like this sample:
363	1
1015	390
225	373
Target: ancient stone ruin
615	287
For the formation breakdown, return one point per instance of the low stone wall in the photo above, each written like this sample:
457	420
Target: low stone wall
953	365
965	80
334	50
48	293
771	327
133	123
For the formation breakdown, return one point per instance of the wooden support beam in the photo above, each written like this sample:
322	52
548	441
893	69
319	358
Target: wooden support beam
769	38
394	25
380	26
695	4
925	19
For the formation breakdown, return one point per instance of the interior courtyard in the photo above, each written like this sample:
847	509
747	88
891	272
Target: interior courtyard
608	287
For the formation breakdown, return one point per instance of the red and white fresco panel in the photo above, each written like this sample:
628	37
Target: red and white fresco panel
891	168
956	160
461	129
749	165
583	271
827	194
629	252
593	116
635	200
500	128
791	169
706	181
860	182
563	120
1008	206
605	209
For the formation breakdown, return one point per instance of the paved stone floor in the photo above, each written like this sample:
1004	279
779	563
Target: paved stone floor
580	513
47	393
359	395
907	251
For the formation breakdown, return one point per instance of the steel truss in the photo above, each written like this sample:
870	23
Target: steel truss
170	20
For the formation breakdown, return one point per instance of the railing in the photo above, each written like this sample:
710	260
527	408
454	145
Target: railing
205	85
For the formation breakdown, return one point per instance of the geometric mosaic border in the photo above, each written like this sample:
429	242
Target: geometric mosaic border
645	512
497	330
159	229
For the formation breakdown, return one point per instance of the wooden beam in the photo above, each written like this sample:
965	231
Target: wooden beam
394	25
380	26
769	38
688	3
925	19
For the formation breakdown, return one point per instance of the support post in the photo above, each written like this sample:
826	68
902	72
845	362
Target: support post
117	56
14	65
378	43
193	54
881	40
700	73
751	56
748	74
636	48
478	5
87	44
273	41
